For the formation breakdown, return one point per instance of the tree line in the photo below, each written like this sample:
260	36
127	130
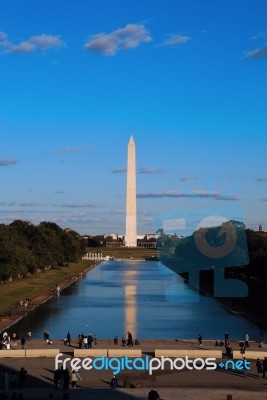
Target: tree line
246	254
26	248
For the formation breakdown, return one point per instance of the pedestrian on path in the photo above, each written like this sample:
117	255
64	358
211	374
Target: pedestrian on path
73	378
264	364
199	338
245	371
114	382
226	338
153	395
22	377
68	338
259	368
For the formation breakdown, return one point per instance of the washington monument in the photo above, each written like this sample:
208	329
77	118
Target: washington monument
130	236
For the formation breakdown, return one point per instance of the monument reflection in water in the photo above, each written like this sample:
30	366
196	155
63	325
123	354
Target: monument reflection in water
145	298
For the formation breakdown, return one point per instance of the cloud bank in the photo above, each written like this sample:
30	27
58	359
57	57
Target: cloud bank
40	42
262	179
193	194
5	162
80	205
108	44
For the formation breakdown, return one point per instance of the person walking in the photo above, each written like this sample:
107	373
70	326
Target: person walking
68	339
22	377
245	371
90	341
226	338
199	338
259	368
264	365
246	337
130	340
73	378
153	395
22	342
85	342
114	382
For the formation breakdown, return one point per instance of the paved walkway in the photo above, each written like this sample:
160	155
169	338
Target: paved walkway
142	393
171	384
147	345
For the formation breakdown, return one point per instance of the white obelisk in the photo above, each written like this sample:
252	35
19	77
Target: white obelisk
130	236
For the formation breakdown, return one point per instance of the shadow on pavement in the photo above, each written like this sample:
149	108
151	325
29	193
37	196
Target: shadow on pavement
40	388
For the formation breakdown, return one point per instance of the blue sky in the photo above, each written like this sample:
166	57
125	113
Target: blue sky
186	78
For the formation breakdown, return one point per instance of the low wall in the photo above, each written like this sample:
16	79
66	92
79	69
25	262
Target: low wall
250	355
205	353
12	353
124	352
34	353
171	353
82	353
180	353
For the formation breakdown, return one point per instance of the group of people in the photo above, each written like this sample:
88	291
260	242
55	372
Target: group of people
63	378
228	348
261	367
6	342
25	303
242	345
86	341
127	343
10	379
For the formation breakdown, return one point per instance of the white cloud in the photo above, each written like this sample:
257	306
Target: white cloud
103	44
259	35
261	179
212	221
117	212
46	41
176	39
187	178
73	149
24	47
257	53
194	194
23	204
119	170
80	205
151	171
174	224
129	37
5	162
200	192
39	42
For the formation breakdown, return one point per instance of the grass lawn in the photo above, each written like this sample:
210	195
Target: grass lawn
37	285
44	283
124	252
